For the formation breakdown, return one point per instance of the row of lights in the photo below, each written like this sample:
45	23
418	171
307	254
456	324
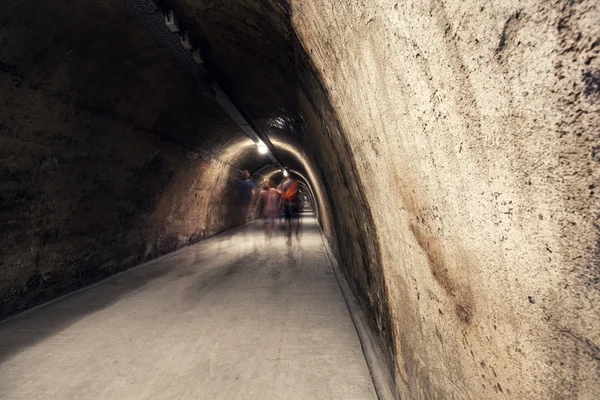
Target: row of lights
173	25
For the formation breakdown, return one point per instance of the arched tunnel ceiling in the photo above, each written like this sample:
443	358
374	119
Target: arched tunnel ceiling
248	48
121	70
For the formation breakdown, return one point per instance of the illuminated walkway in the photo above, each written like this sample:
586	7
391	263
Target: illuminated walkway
229	318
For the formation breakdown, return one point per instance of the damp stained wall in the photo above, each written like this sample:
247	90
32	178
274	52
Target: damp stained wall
472	132
106	160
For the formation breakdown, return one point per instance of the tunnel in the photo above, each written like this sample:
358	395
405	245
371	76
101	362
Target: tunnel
449	151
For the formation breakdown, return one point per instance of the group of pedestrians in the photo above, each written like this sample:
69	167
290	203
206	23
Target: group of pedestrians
274	201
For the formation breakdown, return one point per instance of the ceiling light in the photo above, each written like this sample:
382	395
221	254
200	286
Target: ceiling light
262	148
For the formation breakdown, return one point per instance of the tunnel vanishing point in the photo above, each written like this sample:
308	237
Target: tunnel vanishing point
451	149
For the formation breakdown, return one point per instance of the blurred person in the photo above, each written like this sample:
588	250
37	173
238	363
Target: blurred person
246	191
268	206
290	201
280	216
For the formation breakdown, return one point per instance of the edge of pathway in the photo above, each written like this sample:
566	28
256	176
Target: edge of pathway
372	350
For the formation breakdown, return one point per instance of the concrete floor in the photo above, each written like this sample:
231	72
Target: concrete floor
233	317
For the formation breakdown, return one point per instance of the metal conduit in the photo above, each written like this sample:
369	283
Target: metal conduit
154	19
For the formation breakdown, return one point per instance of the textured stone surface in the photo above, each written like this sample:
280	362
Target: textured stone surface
106	161
474	133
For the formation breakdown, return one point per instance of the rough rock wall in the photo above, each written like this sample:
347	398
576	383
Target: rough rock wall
472	130
104	162
84	196
347	221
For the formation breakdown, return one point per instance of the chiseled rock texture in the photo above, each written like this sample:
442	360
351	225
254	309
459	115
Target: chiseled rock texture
472	130
105	161
452	147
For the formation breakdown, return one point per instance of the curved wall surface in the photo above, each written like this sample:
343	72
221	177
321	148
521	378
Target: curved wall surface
473	136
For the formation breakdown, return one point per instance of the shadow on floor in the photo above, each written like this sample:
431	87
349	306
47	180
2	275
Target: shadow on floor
16	333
